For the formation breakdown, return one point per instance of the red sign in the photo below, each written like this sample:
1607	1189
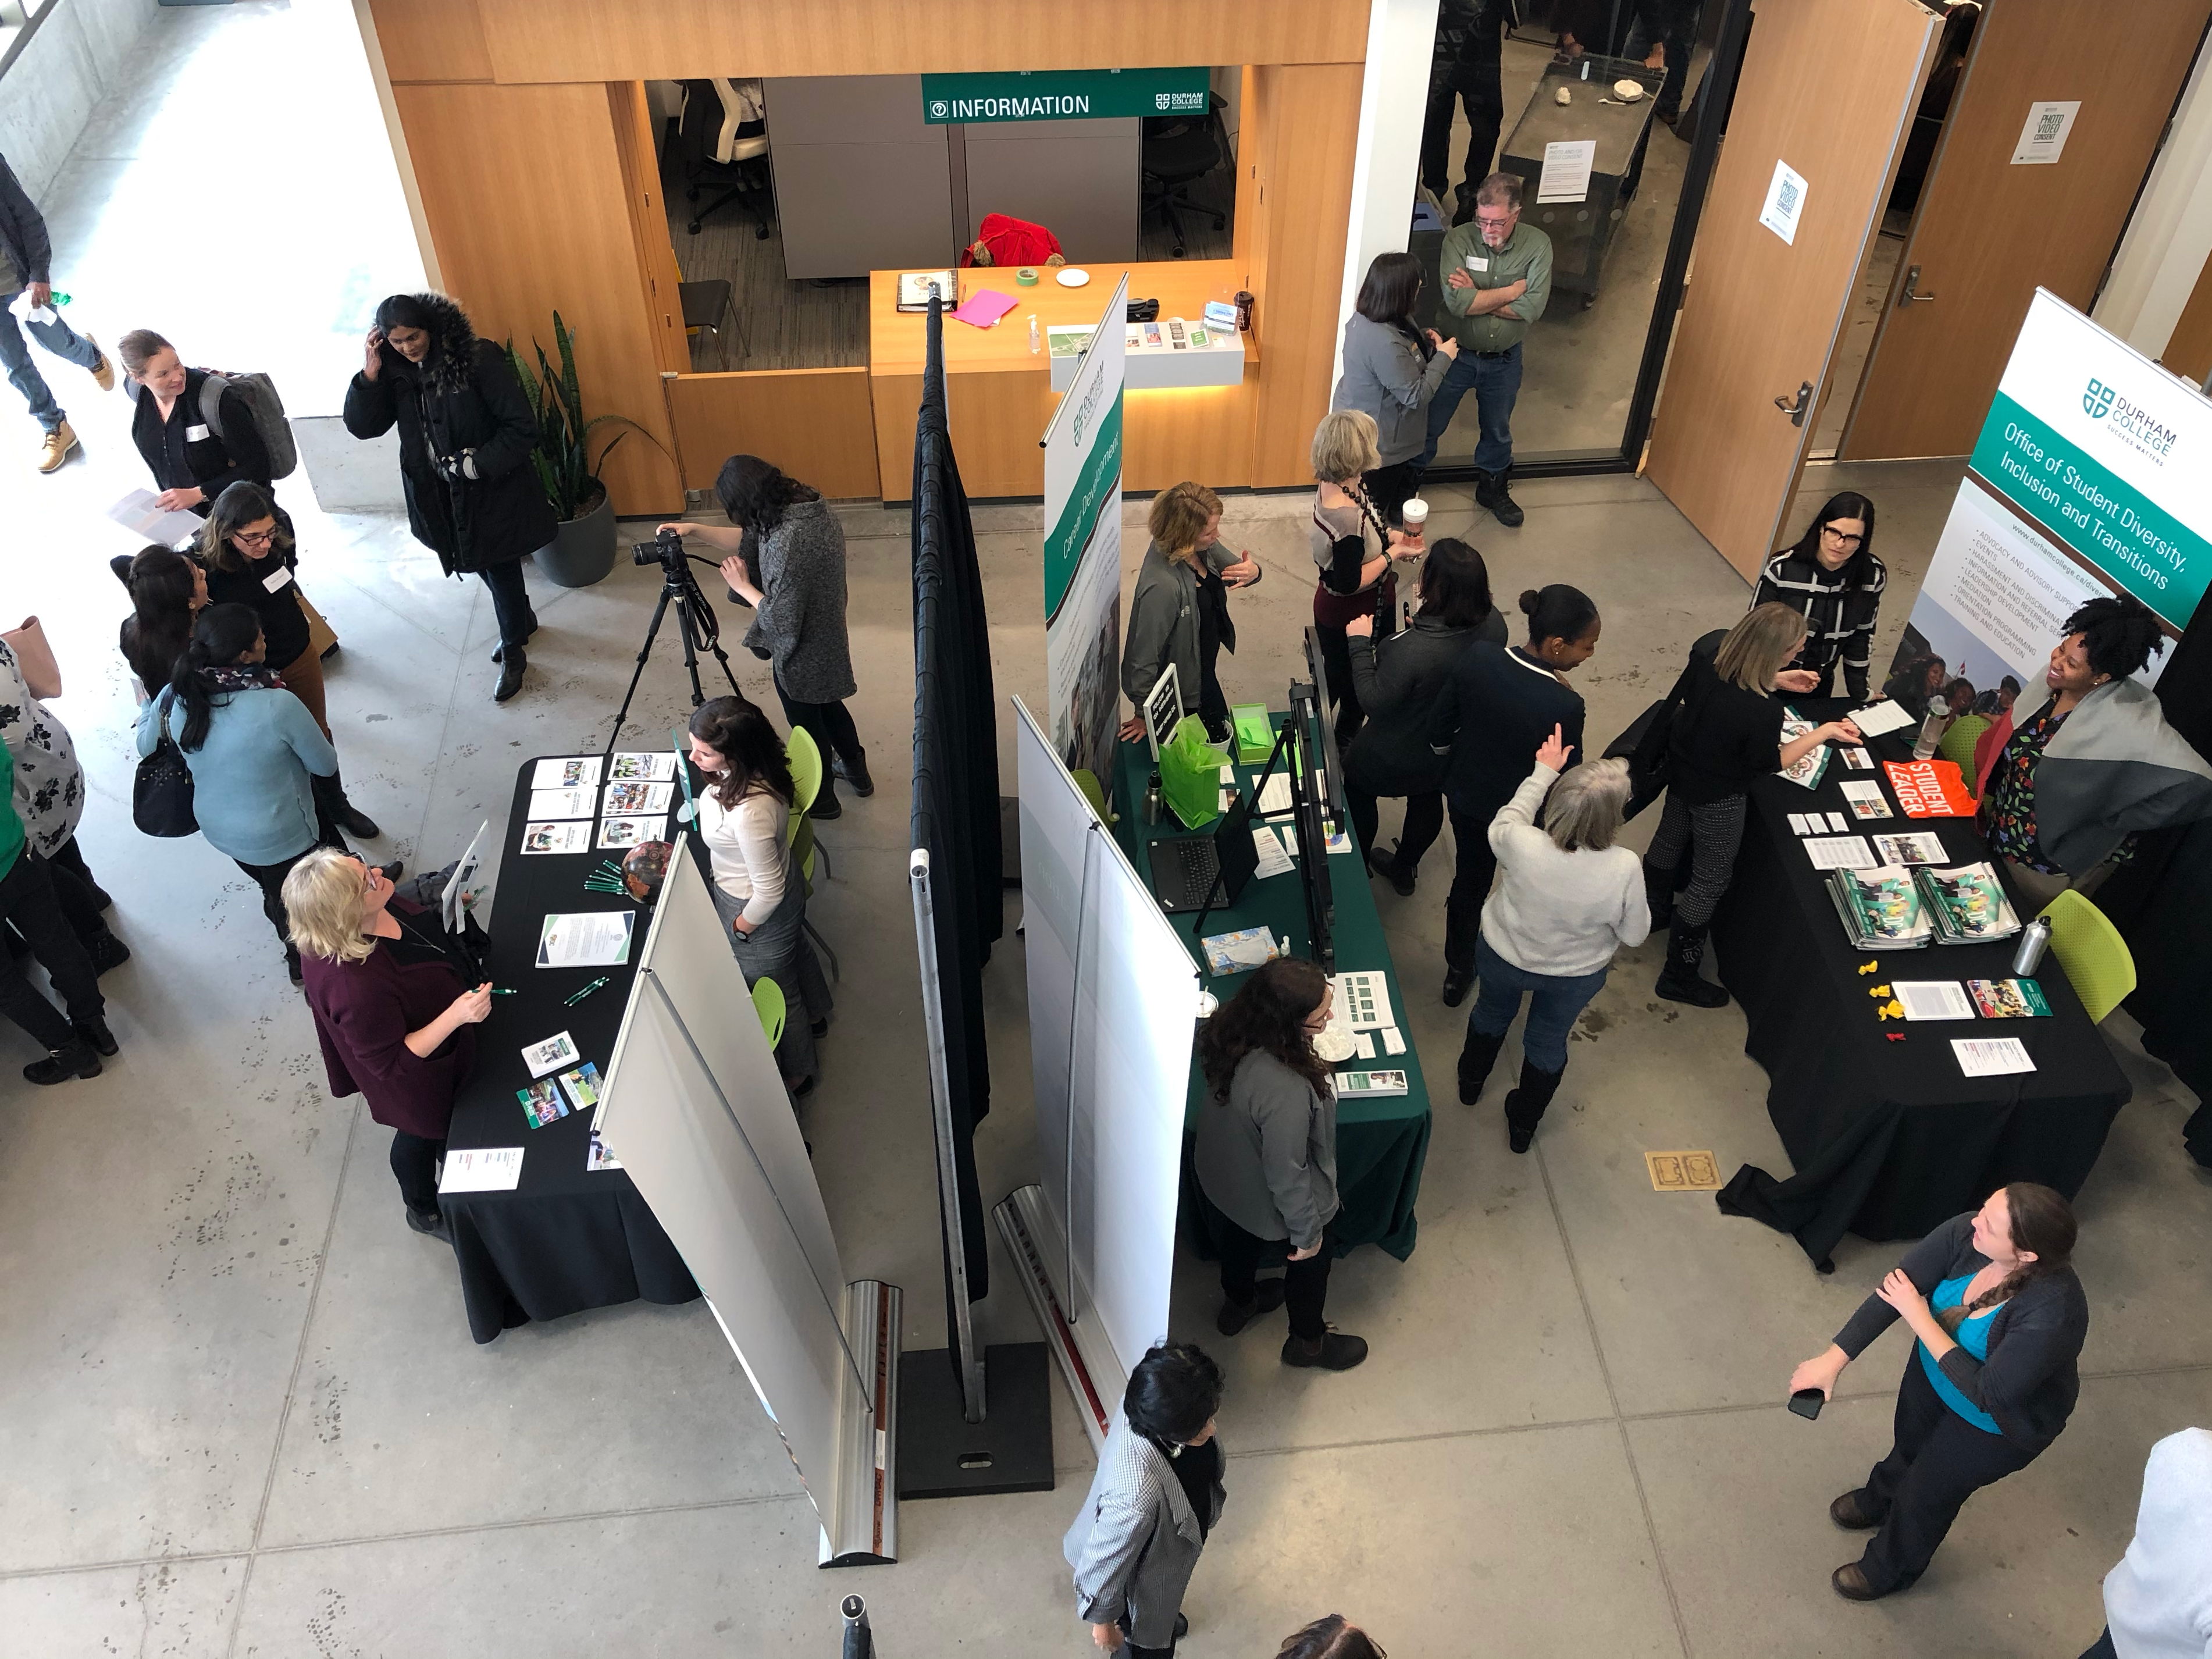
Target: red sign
1930	789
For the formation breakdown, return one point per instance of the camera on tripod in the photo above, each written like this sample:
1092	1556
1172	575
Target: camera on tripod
665	549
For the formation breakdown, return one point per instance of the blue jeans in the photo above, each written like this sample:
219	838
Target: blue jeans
57	336
1553	1002
1496	383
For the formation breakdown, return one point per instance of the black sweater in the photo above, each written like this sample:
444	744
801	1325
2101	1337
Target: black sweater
178	460
1495	708
2029	1382
1400	678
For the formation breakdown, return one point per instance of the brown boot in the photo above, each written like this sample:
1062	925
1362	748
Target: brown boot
55	447
103	372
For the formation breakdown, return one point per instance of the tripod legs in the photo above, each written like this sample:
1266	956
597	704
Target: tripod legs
686	592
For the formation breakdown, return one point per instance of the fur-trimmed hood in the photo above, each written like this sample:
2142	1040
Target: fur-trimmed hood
451	363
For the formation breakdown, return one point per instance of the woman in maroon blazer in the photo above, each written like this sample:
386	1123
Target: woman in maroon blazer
393	1014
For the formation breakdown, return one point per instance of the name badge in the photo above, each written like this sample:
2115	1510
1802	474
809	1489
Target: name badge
1477	262
195	434
276	579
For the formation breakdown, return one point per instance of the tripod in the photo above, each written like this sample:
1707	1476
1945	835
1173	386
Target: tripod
694	622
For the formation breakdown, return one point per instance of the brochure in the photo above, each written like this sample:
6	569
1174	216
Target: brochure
1967	904
1881	909
598	1157
2008	999
1911	847
567	836
551	1054
634	797
631	832
563	804
541	1103
1932	999
581	1086
1865	800
578	772
1371	1083
1811	767
585	939
644	763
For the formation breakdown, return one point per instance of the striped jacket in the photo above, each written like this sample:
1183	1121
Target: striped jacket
1839	612
1136	1542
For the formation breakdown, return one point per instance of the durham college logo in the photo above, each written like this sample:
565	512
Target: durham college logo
2097	400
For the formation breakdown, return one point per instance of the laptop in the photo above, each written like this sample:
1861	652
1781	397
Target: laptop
1185	867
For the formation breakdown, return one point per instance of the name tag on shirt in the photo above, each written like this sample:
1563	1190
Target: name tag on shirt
195	434
275	580
1477	262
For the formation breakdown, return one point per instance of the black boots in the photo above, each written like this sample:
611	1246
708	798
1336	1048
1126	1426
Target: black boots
1332	1351
1659	896
1475	1061
1678	980
1489	492
512	659
1457	980
1524	1106
1266	1297
330	796
1386	865
77	1060
856	772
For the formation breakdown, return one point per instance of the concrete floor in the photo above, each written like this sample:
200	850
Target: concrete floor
240	1415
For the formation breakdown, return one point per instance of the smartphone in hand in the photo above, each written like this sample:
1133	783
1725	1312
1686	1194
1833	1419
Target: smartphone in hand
1806	1403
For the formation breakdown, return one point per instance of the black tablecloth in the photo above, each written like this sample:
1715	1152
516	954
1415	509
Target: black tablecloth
1889	1139
566	1238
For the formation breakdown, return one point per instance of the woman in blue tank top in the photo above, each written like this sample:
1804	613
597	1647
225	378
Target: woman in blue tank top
2000	1320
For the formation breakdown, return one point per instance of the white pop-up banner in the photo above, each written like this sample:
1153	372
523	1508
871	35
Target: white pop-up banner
1083	551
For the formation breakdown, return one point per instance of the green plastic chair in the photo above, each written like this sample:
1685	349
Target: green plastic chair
2097	960
1958	745
804	756
768	1003
1087	781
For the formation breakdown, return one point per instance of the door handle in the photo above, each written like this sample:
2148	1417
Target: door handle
1908	295
1796	411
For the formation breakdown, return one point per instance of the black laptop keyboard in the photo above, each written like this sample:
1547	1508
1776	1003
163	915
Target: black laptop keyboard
1200	865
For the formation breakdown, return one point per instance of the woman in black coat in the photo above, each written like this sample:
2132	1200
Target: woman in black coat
1398	679
2001	1319
193	458
465	435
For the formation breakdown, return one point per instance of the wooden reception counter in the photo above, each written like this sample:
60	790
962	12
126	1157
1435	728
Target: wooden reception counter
999	394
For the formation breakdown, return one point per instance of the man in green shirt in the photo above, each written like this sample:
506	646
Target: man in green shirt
74	1045
1498	279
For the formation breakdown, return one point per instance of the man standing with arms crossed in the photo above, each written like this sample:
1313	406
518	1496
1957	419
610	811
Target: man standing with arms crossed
25	252
1498	279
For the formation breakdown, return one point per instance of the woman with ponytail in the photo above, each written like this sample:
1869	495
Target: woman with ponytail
254	752
2001	1319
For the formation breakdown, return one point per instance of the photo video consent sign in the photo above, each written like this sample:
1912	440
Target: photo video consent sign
1083	553
2088	479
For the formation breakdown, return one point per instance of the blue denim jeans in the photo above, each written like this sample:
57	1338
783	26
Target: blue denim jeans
1553	1002
1496	383
57	336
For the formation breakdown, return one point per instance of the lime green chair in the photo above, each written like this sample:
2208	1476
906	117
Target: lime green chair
768	1003
1087	781
2097	960
1958	745
804	756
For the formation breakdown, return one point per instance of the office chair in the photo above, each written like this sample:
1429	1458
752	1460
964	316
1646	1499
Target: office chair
724	139
1178	151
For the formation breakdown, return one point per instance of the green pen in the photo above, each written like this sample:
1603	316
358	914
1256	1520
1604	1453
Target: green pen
571	1001
504	991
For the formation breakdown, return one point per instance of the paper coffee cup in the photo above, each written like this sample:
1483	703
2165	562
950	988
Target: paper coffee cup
1413	515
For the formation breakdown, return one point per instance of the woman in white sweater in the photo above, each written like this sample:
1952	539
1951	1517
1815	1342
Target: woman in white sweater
1569	898
744	818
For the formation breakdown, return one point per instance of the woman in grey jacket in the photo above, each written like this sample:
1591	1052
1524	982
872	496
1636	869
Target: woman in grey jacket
1392	368
1266	1156
1157	1495
1401	677
1179	612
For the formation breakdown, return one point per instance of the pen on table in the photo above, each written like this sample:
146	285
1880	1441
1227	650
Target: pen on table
504	991
577	997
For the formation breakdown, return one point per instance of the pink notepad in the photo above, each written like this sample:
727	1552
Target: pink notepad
983	308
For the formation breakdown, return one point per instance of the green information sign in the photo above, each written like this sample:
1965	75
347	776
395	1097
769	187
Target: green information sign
1063	95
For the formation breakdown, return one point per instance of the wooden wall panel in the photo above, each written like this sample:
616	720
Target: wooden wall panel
632	115
2189	352
816	423
646	39
524	191
432	40
1301	143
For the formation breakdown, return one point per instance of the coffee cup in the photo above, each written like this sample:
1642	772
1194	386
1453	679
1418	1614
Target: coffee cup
1414	515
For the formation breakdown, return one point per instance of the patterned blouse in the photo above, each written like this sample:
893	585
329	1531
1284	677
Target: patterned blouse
48	784
2008	808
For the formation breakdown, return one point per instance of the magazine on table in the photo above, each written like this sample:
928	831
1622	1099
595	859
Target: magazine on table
1967	903
1881	909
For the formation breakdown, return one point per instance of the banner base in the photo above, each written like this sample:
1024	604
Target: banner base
942	1454
1028	1231
862	1526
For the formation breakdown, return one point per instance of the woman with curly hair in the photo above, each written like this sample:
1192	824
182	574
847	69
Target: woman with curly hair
1266	1156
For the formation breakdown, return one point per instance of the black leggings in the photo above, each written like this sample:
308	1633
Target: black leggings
1425	822
1305	1284
1714	831
414	1165
830	725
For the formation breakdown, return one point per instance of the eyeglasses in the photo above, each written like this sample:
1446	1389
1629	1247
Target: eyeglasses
1494	222
1841	539
248	539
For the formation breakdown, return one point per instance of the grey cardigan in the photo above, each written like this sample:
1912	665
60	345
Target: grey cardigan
801	620
1164	623
1266	1155
1136	1541
1384	374
1397	680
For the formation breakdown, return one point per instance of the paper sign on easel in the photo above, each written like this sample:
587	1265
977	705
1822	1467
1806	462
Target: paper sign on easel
1785	203
2043	139
1567	165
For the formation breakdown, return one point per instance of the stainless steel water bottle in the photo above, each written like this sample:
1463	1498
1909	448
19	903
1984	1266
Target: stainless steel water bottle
2028	956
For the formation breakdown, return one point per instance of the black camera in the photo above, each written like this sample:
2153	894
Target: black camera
665	549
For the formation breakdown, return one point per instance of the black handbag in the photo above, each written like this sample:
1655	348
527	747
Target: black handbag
162	793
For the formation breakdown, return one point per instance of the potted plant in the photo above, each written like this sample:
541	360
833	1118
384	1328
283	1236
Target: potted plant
582	549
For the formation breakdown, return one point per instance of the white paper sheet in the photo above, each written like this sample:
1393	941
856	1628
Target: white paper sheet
571	772
1785	205
1990	1056
482	1169
1838	822
642	764
1933	998
136	514
564	803
1273	860
1839	852
457	895
585	939
1276	797
1797	824
1567	175
629	832
1877	718
568	835
1363	1044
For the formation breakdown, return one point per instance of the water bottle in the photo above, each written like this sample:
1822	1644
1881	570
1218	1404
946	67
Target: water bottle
1152	801
2028	955
1036	340
60	298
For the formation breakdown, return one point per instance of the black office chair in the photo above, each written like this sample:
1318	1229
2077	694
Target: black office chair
1179	151
722	142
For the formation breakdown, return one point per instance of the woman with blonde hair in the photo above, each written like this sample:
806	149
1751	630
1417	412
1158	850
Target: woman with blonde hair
392	1012
1569	900
1353	550
1727	732
1179	612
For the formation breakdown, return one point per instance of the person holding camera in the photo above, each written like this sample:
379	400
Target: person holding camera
785	558
465	436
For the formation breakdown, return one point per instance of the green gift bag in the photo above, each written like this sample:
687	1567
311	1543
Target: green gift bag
1190	774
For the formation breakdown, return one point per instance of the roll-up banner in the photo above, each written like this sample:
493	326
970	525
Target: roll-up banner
1083	552
2088	479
